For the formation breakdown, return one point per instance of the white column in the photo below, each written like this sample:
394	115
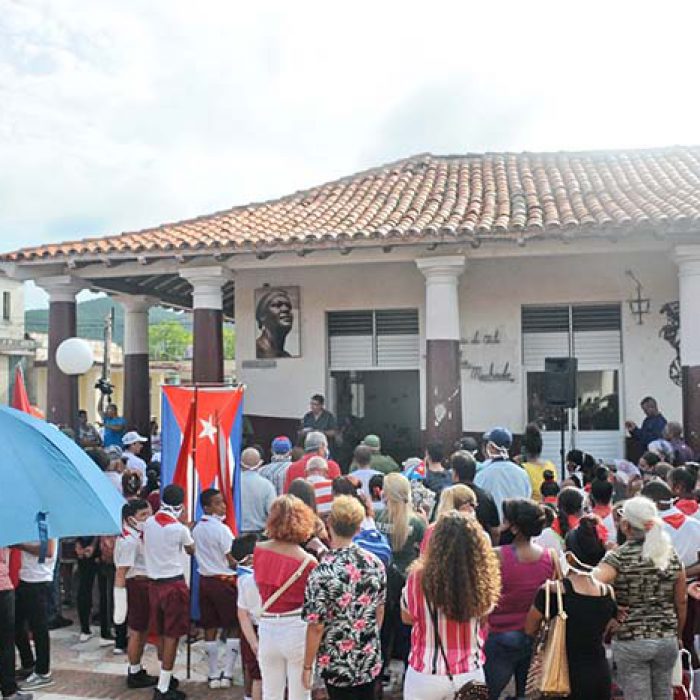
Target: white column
207	284
443	398
136	323
442	296
688	259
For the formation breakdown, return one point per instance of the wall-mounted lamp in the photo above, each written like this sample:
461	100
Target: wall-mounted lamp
640	305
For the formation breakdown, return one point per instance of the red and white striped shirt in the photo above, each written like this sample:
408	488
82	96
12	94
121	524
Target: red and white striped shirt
462	641
324	493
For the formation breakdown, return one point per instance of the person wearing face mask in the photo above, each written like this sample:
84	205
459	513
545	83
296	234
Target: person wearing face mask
499	476
218	599
131	606
165	540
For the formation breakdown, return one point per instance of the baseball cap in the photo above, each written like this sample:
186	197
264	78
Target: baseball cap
131	437
413	468
373	442
501	437
281	445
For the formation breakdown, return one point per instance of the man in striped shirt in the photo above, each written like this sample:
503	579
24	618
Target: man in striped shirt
317	475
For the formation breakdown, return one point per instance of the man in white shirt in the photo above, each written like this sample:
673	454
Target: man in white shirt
131	589
133	446
165	539
217	586
31	611
499	476
362	459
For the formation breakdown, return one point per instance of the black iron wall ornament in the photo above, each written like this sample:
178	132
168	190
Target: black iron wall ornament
639	306
670	332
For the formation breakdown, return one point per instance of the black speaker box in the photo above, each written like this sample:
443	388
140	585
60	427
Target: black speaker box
560	381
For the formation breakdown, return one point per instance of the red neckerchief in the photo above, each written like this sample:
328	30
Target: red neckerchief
688	506
551	499
675	520
126	532
602	511
573	523
163	519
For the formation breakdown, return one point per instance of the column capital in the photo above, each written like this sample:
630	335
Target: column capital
136	303
442	266
687	258
61	287
207	283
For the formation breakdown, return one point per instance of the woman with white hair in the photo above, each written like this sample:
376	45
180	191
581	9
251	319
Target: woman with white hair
650	583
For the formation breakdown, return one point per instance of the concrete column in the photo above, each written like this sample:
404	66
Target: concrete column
62	389
207	305
137	381
688	259
442	336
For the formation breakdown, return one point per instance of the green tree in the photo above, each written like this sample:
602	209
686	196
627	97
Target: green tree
229	343
168	340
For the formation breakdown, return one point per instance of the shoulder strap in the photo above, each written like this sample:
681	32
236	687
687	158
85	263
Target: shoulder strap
557	573
286	585
438	640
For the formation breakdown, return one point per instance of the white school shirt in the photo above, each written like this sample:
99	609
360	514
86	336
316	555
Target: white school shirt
164	540
129	551
249	597
136	464
212	541
31	571
684	533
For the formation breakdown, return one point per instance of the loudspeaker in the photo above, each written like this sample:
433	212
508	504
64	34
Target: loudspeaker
560	381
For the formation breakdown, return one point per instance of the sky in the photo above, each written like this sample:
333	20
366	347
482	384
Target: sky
121	114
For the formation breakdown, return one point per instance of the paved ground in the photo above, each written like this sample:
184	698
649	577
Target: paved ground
88	671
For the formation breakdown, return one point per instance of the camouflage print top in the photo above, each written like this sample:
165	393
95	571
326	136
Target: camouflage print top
647	591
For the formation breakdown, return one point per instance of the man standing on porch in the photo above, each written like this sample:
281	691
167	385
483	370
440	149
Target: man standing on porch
318	419
652	427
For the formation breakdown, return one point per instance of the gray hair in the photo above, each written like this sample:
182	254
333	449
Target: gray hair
317	464
314	440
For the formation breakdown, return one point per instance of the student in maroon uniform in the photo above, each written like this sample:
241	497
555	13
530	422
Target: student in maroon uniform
218	600
165	540
131	589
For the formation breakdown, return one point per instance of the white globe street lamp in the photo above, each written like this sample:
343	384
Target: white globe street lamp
74	356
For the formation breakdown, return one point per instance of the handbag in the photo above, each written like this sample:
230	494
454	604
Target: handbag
548	675
471	690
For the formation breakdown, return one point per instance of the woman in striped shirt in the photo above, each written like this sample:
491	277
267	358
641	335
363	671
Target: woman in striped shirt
452	587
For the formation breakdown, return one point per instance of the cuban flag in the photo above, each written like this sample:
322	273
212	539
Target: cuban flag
202	432
201	445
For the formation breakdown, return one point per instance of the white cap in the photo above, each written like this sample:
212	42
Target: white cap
131	437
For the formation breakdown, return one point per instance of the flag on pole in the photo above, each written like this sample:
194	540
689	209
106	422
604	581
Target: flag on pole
20	398
201	444
20	401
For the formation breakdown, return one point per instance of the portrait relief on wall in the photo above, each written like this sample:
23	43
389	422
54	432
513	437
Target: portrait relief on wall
277	316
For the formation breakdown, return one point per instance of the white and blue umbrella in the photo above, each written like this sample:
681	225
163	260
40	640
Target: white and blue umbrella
49	487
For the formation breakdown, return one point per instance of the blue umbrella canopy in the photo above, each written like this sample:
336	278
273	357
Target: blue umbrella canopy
46	478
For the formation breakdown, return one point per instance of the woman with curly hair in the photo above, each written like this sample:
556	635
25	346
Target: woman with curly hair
525	566
282	569
449	592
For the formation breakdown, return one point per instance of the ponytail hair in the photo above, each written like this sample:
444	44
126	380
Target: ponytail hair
640	512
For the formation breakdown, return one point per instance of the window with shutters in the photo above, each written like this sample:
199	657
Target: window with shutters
384	339
592	333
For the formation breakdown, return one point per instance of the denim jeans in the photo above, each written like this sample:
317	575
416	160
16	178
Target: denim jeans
645	667
507	655
8	686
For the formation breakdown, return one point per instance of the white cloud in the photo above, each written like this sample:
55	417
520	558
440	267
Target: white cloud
122	114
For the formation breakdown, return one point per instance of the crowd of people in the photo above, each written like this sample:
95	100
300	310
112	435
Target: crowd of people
348	580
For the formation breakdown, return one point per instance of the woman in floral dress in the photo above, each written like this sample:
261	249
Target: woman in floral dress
344	607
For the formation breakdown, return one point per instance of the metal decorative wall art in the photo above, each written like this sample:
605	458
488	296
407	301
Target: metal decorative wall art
670	332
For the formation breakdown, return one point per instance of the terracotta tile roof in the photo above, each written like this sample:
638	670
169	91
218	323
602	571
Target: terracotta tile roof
430	198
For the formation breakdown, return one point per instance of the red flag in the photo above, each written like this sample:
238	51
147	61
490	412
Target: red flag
20	399
182	468
225	486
